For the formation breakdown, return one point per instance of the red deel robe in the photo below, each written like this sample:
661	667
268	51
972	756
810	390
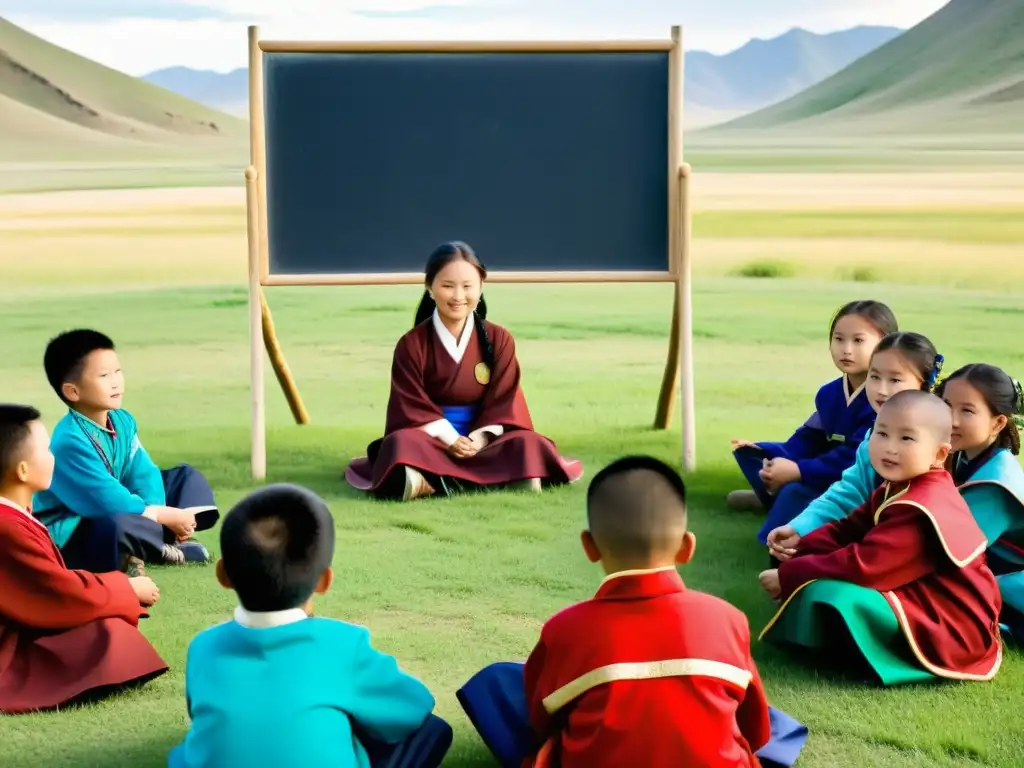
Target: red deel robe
647	673
63	633
424	379
919	545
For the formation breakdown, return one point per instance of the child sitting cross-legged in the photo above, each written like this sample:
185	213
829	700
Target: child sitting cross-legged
65	636
645	673
277	687
110	507
902	581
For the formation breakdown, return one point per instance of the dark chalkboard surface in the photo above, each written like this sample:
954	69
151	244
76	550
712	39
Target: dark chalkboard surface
540	161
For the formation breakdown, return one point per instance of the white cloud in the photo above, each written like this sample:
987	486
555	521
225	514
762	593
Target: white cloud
138	46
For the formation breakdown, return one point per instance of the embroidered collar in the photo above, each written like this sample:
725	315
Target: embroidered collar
454	347
640	583
5	502
85	421
268	619
849	394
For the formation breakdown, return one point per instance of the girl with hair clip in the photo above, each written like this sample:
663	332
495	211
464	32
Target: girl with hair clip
785	477
902	360
457	418
986	404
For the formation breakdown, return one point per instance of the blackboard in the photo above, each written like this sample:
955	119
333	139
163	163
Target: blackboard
541	161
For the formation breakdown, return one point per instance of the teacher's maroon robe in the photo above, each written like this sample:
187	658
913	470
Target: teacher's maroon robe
424	379
918	544
64	635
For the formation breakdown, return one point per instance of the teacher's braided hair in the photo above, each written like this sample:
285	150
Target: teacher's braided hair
1003	395
441	257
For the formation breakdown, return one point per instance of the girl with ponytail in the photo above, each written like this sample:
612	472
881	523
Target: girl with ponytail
987	404
457	418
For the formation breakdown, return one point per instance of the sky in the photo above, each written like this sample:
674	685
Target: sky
139	36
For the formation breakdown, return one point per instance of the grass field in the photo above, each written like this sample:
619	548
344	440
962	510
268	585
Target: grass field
450	586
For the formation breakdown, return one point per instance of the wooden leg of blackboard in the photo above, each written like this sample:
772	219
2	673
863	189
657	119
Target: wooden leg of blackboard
684	308
280	366
258	447
669	379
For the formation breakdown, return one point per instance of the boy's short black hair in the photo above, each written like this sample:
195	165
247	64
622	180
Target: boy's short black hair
65	356
636	507
14	431
275	543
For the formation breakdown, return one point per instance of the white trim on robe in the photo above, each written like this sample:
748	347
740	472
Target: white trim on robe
268	619
442	429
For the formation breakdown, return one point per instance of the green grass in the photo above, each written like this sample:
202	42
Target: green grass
449	586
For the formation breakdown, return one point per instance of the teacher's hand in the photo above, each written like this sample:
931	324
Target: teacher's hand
463	448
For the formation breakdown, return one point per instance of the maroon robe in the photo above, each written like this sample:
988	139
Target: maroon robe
64	635
919	545
425	378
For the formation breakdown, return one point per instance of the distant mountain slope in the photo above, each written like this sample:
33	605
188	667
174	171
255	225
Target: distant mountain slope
759	73
961	68
54	103
763	72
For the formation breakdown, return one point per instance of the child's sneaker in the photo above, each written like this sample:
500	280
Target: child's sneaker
194	552
173	555
132	567
744	501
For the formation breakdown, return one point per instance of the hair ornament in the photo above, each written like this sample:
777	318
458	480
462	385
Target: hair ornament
1018	402
936	370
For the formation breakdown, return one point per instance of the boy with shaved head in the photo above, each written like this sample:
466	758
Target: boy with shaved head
905	573
647	672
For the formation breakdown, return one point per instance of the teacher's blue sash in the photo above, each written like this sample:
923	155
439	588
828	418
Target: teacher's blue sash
462	417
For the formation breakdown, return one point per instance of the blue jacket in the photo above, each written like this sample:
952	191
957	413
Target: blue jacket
97	472
847	493
826	445
284	690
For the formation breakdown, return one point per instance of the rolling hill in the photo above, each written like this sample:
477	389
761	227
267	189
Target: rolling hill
56	105
961	70
718	87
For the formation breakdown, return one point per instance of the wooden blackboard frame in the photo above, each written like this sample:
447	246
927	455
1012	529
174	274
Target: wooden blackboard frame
679	363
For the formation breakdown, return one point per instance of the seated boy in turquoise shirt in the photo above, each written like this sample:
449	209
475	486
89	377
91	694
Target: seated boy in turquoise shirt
109	506
275	687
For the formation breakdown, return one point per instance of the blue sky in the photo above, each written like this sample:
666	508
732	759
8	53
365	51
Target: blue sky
138	36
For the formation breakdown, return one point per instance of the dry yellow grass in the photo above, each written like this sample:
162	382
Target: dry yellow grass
108	239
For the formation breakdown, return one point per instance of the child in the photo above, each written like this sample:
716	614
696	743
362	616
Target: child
984	401
65	636
905	573
902	360
786	477
110	507
647	672
276	687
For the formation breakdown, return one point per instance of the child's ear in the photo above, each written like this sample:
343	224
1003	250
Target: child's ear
222	575
686	548
324	582
70	391
999	424
21	471
942	454
590	547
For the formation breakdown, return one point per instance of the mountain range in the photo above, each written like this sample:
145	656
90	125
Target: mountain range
759	73
959	70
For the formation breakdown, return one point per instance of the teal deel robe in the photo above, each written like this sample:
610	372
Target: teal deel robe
97	472
295	692
995	494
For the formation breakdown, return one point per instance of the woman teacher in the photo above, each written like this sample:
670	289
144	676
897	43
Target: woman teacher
457	418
